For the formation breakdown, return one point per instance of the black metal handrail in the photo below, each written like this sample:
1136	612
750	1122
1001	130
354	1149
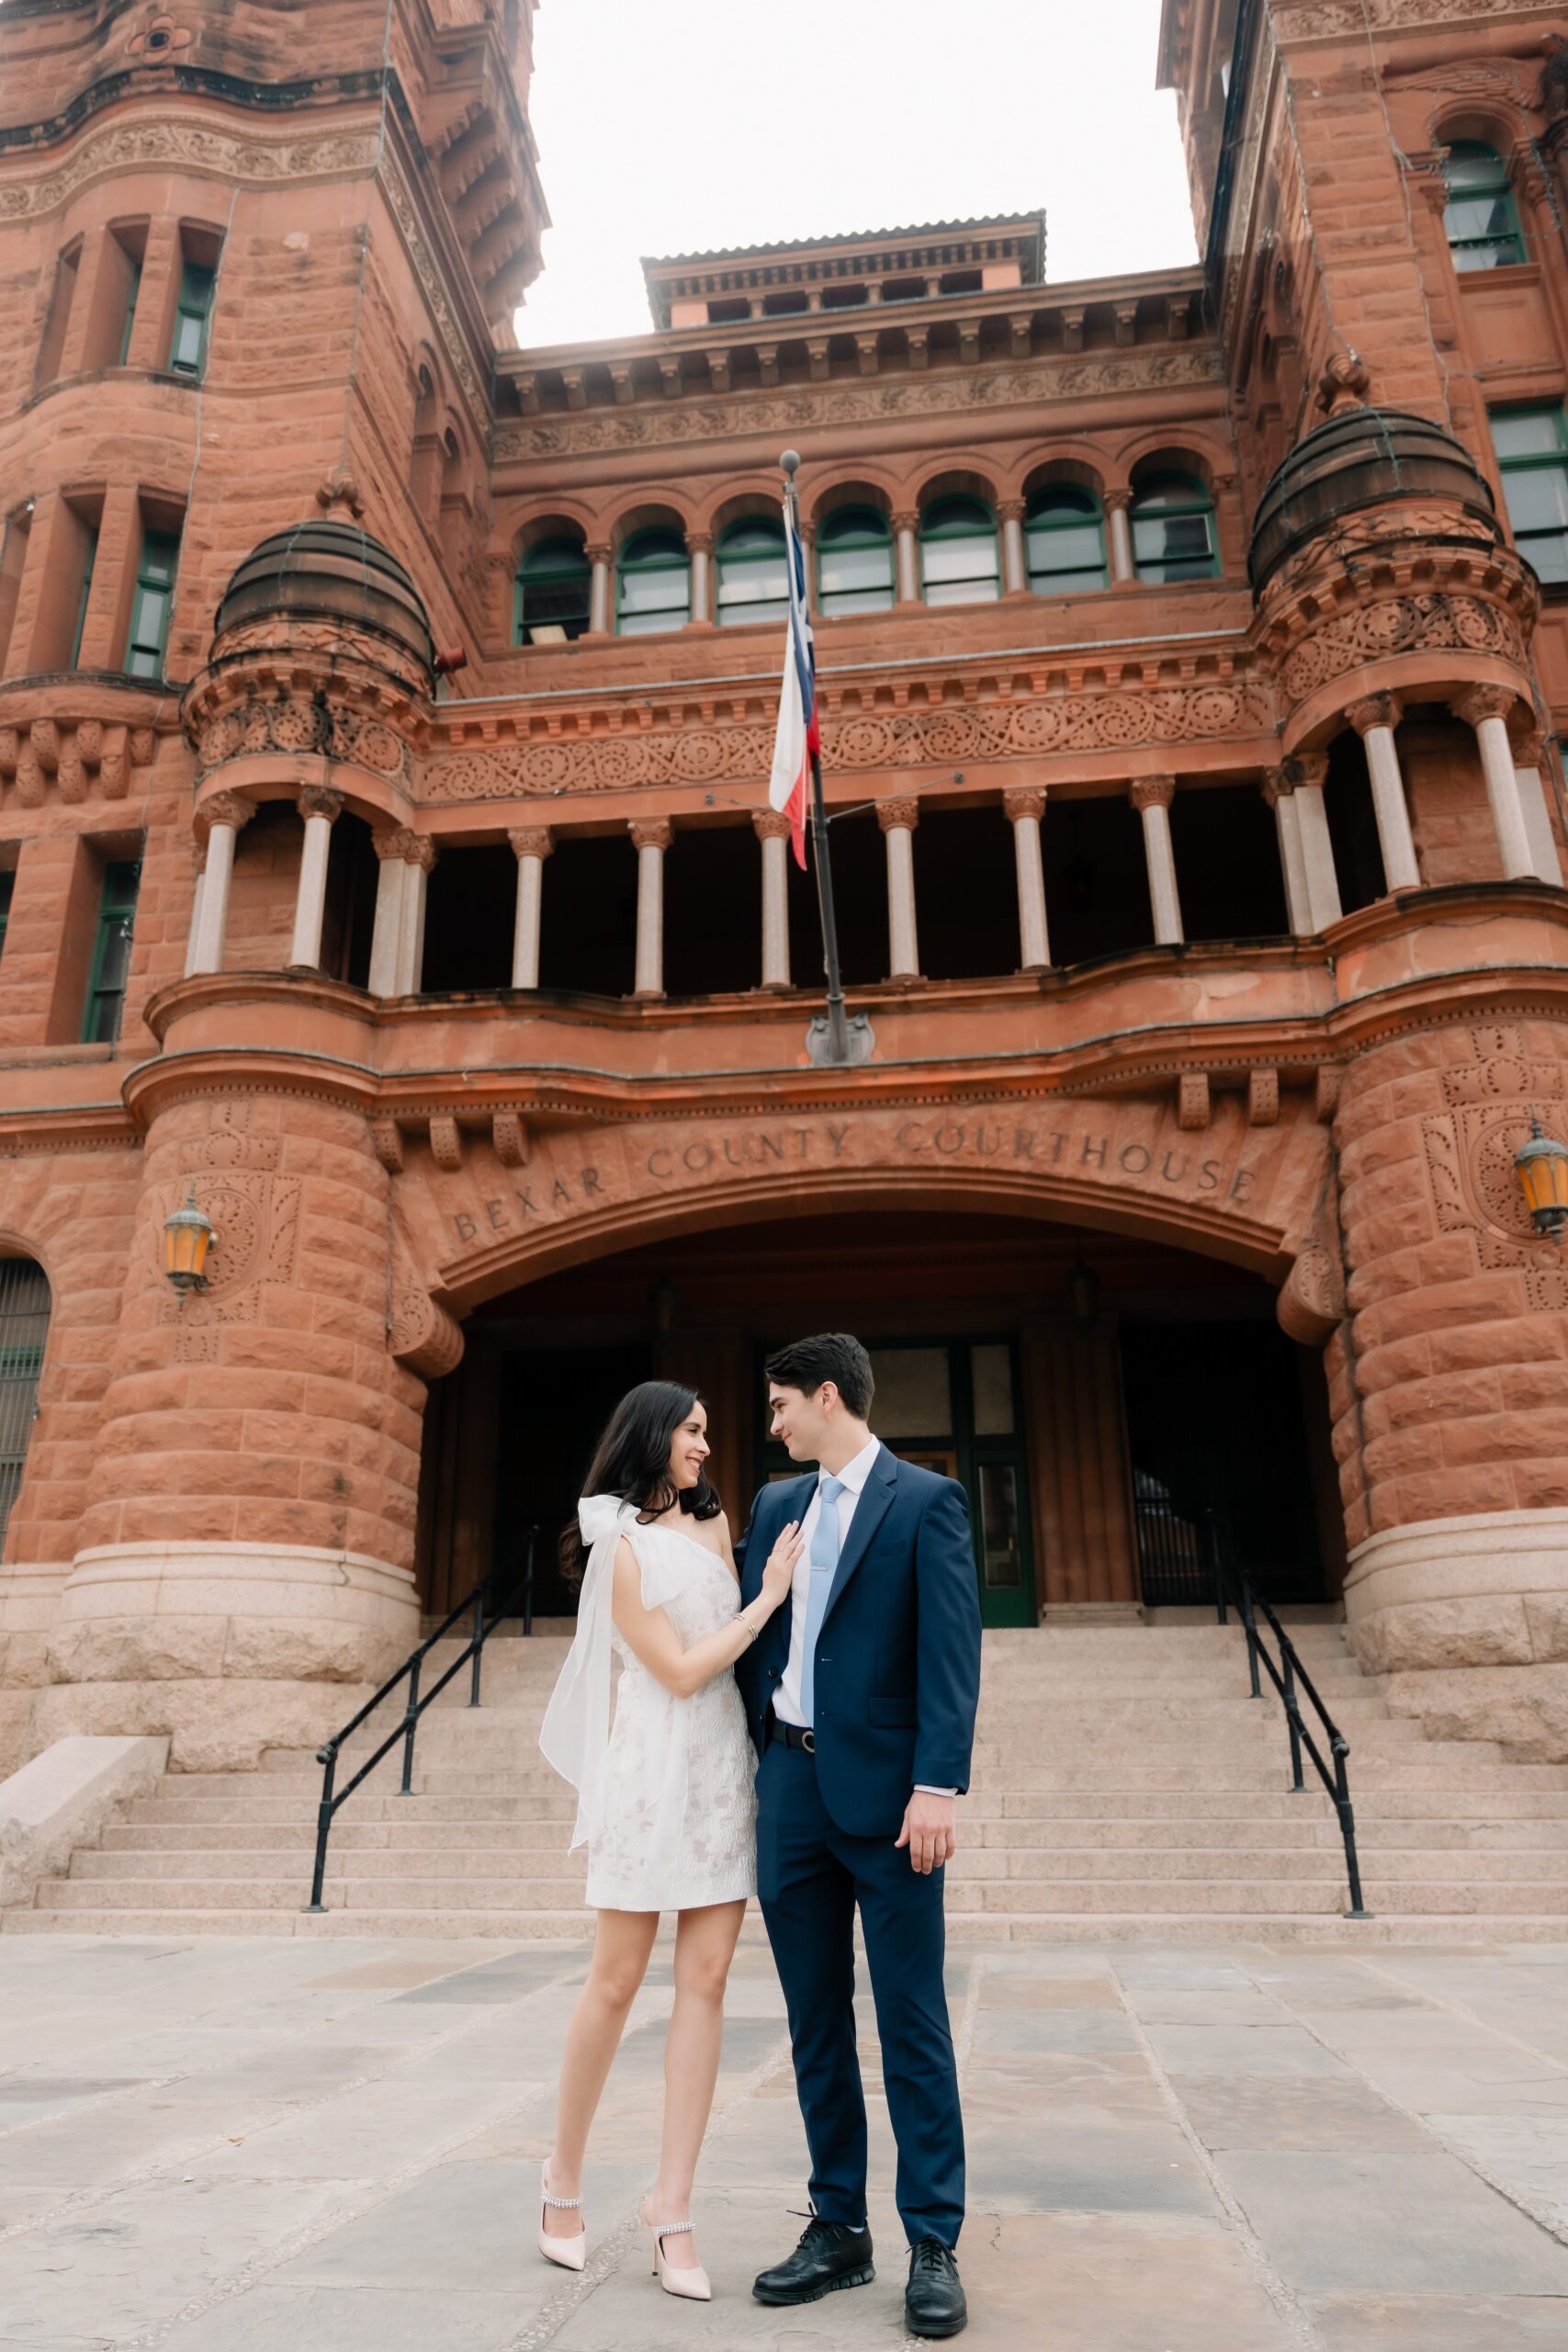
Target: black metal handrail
486	1620
1291	1680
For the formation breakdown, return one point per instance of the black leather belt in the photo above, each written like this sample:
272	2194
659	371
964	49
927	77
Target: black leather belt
792	1734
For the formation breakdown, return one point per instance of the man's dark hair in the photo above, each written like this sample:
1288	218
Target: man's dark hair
837	1356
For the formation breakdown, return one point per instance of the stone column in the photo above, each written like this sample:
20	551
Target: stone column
319	808
1278	790
397	941
1015	571
1375	720
225	815
1151	797
1529	774
897	819
651	836
531	844
1118	537
598	590
772	829
699	546
1023	807
905	523
1317	846
1486	710
194	936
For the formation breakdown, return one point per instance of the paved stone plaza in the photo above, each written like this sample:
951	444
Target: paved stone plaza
243	2145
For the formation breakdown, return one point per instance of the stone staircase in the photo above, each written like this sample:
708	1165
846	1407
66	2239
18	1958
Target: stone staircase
1126	1786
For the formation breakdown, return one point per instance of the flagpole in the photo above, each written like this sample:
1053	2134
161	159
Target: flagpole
837	1041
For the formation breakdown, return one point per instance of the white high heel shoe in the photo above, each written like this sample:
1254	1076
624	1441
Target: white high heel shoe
695	2283
569	2252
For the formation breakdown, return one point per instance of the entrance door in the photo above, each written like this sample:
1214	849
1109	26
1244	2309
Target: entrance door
553	1403
1215	1421
952	1405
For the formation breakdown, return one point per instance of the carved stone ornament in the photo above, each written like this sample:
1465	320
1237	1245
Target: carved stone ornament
1312	1304
530	841
445	1141
945	737
651	833
703	418
770	824
184	143
1479	703
1192	1111
1262	1098
1152	792
226	809
1374	710
509	1133
898	816
1344	383
340	488
421	1335
320	800
1394	625
1023	800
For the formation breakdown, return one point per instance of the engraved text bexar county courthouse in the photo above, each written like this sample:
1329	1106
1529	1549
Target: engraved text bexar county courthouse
1193	655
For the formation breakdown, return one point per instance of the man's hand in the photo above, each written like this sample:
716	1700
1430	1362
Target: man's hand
927	1832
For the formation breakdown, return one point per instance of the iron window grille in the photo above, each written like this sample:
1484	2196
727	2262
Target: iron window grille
24	1328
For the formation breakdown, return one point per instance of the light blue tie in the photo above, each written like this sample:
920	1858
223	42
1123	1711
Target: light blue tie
824	1560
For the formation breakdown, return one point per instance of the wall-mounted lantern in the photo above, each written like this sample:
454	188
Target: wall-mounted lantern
189	1237
1541	1166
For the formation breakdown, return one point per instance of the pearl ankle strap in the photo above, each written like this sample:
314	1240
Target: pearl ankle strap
562	2204
675	2228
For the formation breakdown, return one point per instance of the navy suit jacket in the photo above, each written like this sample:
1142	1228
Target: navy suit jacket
898	1676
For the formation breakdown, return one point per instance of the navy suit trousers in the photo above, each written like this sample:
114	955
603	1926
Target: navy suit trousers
810	1875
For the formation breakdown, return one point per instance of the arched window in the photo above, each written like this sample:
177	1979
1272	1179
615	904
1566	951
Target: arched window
1173	529
653	583
854	562
1481	220
959	561
1064	532
553	584
753	584
24	1327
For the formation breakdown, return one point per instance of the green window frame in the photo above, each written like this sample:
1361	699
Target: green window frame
1064	539
554	593
132	295
960	554
653	583
854	562
193	313
1481	220
151	605
87	568
1532	457
24	1331
1173	530
753	579
111	951
7	892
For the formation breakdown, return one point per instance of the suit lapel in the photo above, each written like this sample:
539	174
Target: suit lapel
876	1501
777	1631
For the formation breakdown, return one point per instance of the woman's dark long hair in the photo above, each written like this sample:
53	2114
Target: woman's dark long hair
632	1460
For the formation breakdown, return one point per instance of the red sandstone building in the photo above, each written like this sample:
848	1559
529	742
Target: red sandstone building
1193	654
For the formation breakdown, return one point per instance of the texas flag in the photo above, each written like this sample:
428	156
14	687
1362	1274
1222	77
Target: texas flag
798	738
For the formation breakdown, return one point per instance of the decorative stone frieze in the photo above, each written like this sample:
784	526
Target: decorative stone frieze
75	758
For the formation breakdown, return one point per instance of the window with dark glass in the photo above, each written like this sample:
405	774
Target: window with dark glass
111	953
85	592
187	351
1063	538
24	1329
1173	529
854	562
653	584
1481	220
7	891
554	589
959	560
753	583
1532	457
151	603
133	291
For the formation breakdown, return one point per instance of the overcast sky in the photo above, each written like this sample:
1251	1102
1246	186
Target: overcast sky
677	126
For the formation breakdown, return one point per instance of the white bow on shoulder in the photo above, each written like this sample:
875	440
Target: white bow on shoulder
576	1730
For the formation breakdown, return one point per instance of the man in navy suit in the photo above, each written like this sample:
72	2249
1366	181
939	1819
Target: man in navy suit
862	1700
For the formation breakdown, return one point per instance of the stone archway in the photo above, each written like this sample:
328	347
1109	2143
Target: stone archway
1239	1178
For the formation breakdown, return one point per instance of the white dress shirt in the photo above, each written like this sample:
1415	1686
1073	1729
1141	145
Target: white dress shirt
852	1479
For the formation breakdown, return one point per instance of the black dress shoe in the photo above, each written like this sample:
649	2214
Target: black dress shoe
933	2299
830	2254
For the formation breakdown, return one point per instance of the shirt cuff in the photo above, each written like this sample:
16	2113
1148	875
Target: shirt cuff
924	1789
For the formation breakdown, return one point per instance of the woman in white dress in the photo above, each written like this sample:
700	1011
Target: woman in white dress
663	1776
